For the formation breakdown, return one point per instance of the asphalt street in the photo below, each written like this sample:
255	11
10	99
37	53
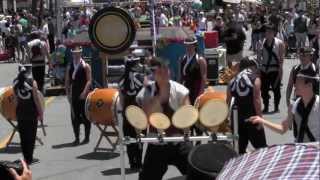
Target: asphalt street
60	161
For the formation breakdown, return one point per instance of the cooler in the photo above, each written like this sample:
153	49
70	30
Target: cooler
212	58
211	39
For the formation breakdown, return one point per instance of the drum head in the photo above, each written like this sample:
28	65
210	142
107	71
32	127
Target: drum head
112	30
185	117
213	113
159	121
136	117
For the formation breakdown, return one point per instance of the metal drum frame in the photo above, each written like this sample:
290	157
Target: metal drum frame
233	138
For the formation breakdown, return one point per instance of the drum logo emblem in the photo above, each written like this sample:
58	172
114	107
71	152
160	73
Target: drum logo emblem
99	103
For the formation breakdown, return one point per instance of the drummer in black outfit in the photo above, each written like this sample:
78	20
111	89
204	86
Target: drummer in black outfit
170	95
78	83
193	72
130	84
29	110
245	88
39	53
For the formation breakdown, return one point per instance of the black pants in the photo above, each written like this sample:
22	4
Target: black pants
51	42
27	126
38	75
78	106
158	157
253	133
267	81
134	151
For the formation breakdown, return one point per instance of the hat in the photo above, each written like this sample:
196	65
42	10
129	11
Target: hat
190	41
76	49
309	73
306	50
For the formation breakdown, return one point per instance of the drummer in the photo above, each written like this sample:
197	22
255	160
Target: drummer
170	95
245	89
193	72
304	113
29	110
130	84
77	84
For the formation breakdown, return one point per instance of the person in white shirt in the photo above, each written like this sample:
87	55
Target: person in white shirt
304	113
202	22
164	21
169	95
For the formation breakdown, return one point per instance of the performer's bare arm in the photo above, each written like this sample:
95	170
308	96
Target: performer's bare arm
37	100
203	71
257	96
186	100
281	58
289	88
279	128
88	83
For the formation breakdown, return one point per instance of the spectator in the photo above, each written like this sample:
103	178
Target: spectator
26	173
301	29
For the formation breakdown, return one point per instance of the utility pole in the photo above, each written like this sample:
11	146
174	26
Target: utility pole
59	6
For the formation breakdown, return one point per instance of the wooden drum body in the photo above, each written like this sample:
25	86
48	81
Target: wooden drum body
216	110
206	96
8	104
101	106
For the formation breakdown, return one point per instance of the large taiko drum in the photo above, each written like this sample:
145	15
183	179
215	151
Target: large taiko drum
8	104
208	95
112	30
213	110
101	106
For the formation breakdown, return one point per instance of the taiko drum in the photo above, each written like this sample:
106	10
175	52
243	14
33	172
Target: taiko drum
101	106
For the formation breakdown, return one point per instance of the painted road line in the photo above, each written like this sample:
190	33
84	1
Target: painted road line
4	141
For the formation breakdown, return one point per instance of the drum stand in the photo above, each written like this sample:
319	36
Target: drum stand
214	137
161	139
107	135
15	129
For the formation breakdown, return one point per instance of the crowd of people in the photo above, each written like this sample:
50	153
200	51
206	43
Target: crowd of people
275	34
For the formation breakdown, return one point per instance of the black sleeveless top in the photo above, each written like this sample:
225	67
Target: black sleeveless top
241	88
78	84
26	106
191	79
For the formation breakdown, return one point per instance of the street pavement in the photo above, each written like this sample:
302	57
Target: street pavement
60	161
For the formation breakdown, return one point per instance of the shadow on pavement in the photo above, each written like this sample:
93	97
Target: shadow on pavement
99	156
117	171
64	145
11	150
178	178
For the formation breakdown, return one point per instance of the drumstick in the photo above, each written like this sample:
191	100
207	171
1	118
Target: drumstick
42	127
